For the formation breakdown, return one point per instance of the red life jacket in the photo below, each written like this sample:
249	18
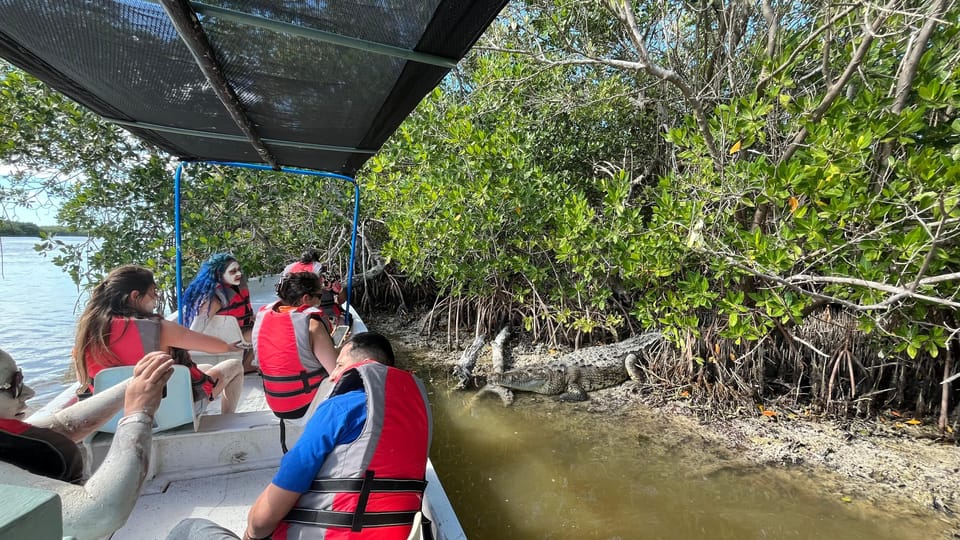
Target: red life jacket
385	466
40	451
298	266
290	371
235	302
130	339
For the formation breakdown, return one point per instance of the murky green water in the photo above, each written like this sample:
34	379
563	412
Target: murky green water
543	470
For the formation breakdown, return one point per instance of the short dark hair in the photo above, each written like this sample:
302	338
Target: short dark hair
372	345
291	288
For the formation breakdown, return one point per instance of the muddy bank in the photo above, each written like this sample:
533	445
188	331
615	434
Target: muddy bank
888	464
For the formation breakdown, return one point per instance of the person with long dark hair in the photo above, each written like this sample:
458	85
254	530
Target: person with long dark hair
119	325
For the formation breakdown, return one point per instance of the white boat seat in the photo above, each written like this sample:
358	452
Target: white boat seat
177	409
416	532
224	327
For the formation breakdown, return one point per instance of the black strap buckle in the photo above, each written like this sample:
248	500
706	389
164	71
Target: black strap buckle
357	524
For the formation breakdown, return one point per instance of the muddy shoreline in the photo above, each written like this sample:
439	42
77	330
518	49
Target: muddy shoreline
885	463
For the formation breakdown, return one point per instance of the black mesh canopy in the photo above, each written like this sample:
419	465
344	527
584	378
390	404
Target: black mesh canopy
311	83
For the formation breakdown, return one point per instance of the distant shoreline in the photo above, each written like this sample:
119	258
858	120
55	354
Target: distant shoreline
22	229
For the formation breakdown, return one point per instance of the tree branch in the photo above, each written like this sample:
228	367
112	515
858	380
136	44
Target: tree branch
624	11
803	45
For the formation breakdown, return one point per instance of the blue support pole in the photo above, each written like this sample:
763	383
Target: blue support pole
353	249
178	240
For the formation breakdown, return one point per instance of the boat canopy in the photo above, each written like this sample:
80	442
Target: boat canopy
317	84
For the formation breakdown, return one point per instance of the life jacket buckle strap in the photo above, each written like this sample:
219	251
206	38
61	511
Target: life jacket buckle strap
357	524
377	485
344	520
293	393
298	377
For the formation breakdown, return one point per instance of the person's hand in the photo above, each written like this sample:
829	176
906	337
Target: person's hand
240	346
145	391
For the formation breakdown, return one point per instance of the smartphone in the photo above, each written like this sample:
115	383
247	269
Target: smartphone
339	333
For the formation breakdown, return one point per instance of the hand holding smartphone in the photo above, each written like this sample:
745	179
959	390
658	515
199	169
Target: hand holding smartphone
339	335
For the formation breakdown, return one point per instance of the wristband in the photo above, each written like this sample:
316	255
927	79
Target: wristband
141	417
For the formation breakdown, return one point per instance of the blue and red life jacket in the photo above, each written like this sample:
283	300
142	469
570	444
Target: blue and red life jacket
370	488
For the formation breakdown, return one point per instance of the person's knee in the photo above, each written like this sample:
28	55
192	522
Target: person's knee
228	369
231	367
199	529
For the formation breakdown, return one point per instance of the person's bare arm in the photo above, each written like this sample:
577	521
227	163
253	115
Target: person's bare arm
102	505
267	512
322	345
85	417
212	306
174	335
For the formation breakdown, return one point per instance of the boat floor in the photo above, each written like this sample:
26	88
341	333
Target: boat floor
224	499
224	492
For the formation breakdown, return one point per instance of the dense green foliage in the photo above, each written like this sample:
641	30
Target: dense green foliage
727	174
18	228
816	168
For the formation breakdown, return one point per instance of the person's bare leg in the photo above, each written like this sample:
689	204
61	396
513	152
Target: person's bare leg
229	375
248	354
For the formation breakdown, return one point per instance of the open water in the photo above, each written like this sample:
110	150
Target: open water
537	470
39	305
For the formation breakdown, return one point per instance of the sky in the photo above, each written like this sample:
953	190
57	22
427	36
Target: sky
46	216
44	213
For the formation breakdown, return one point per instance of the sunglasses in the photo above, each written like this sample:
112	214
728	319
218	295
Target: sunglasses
15	386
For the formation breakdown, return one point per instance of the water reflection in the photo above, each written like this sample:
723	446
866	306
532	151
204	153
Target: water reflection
544	470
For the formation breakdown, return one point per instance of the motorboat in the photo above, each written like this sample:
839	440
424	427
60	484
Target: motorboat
217	469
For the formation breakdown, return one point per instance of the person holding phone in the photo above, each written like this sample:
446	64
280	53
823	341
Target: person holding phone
293	344
42	452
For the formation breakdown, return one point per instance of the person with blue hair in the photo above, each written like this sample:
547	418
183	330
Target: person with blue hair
220	289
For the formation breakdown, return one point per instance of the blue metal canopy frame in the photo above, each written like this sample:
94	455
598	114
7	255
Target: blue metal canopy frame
178	176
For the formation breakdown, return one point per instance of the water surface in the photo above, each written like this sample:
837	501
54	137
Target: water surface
39	305
546	470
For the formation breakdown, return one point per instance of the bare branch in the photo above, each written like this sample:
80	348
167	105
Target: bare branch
836	88
898	293
804	44
773	26
624	11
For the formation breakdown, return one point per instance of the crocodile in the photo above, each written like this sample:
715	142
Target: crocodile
582	371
